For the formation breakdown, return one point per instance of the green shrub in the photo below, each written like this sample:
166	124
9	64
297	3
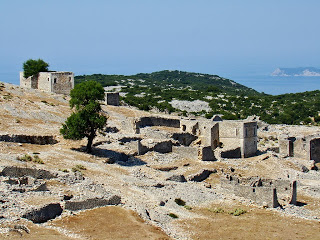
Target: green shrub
173	215
81	167
25	158
180	202
37	159
187	207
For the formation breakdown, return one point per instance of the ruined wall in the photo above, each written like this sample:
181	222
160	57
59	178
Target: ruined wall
215	139
262	191
206	154
190	126
249	139
30	82
62	82
44	81
315	150
41	140
158	121
112	98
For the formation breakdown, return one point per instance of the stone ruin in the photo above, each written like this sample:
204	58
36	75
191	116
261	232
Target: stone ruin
198	138
57	82
18	183
32	139
112	98
301	147
266	192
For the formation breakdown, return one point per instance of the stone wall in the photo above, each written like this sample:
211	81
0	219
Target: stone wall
14	171
303	147
262	191
158	121
44	81
92	203
30	82
112	98
62	82
41	140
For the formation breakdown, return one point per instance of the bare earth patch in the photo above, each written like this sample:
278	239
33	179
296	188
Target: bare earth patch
110	223
255	224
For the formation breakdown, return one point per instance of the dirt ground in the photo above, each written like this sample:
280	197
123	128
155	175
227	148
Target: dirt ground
97	224
255	224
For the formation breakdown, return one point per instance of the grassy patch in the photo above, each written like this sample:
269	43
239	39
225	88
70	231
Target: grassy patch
78	168
28	158
237	212
216	210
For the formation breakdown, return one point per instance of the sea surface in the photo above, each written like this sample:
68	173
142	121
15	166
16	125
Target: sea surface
279	85
262	83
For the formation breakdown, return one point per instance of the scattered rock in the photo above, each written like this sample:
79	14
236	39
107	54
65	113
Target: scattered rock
177	178
201	176
166	169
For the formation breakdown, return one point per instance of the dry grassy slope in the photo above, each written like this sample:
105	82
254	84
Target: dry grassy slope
24	111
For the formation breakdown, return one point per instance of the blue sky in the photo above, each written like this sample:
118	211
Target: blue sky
228	38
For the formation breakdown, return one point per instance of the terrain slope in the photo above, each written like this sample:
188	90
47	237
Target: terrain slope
146	203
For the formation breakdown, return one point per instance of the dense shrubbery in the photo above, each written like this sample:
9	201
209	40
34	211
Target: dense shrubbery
234	101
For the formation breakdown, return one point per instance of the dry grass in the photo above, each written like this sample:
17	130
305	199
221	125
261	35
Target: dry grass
110	223
255	224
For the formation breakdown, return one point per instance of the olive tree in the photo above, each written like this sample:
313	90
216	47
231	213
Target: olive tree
87	117
32	67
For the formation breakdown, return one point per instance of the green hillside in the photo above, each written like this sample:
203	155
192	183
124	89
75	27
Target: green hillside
224	96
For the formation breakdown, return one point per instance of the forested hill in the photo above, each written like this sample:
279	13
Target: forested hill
206	95
172	80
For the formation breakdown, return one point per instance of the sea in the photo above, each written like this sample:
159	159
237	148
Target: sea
276	85
268	84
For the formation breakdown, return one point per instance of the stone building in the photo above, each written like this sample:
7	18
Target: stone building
57	82
303	147
240	137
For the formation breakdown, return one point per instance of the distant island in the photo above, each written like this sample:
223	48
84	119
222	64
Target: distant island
297	72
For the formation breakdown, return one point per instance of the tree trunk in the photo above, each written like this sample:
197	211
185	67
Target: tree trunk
89	144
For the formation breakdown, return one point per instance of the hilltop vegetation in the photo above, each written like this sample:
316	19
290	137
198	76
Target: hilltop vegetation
224	96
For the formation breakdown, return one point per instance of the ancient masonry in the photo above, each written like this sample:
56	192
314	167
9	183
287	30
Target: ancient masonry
112	98
266	192
57	82
200	137
303	147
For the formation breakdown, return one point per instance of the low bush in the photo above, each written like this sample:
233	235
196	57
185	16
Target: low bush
237	212
173	215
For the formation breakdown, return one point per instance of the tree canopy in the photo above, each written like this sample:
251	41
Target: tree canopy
87	117
32	67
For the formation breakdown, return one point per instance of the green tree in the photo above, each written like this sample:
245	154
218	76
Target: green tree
87	117
32	67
